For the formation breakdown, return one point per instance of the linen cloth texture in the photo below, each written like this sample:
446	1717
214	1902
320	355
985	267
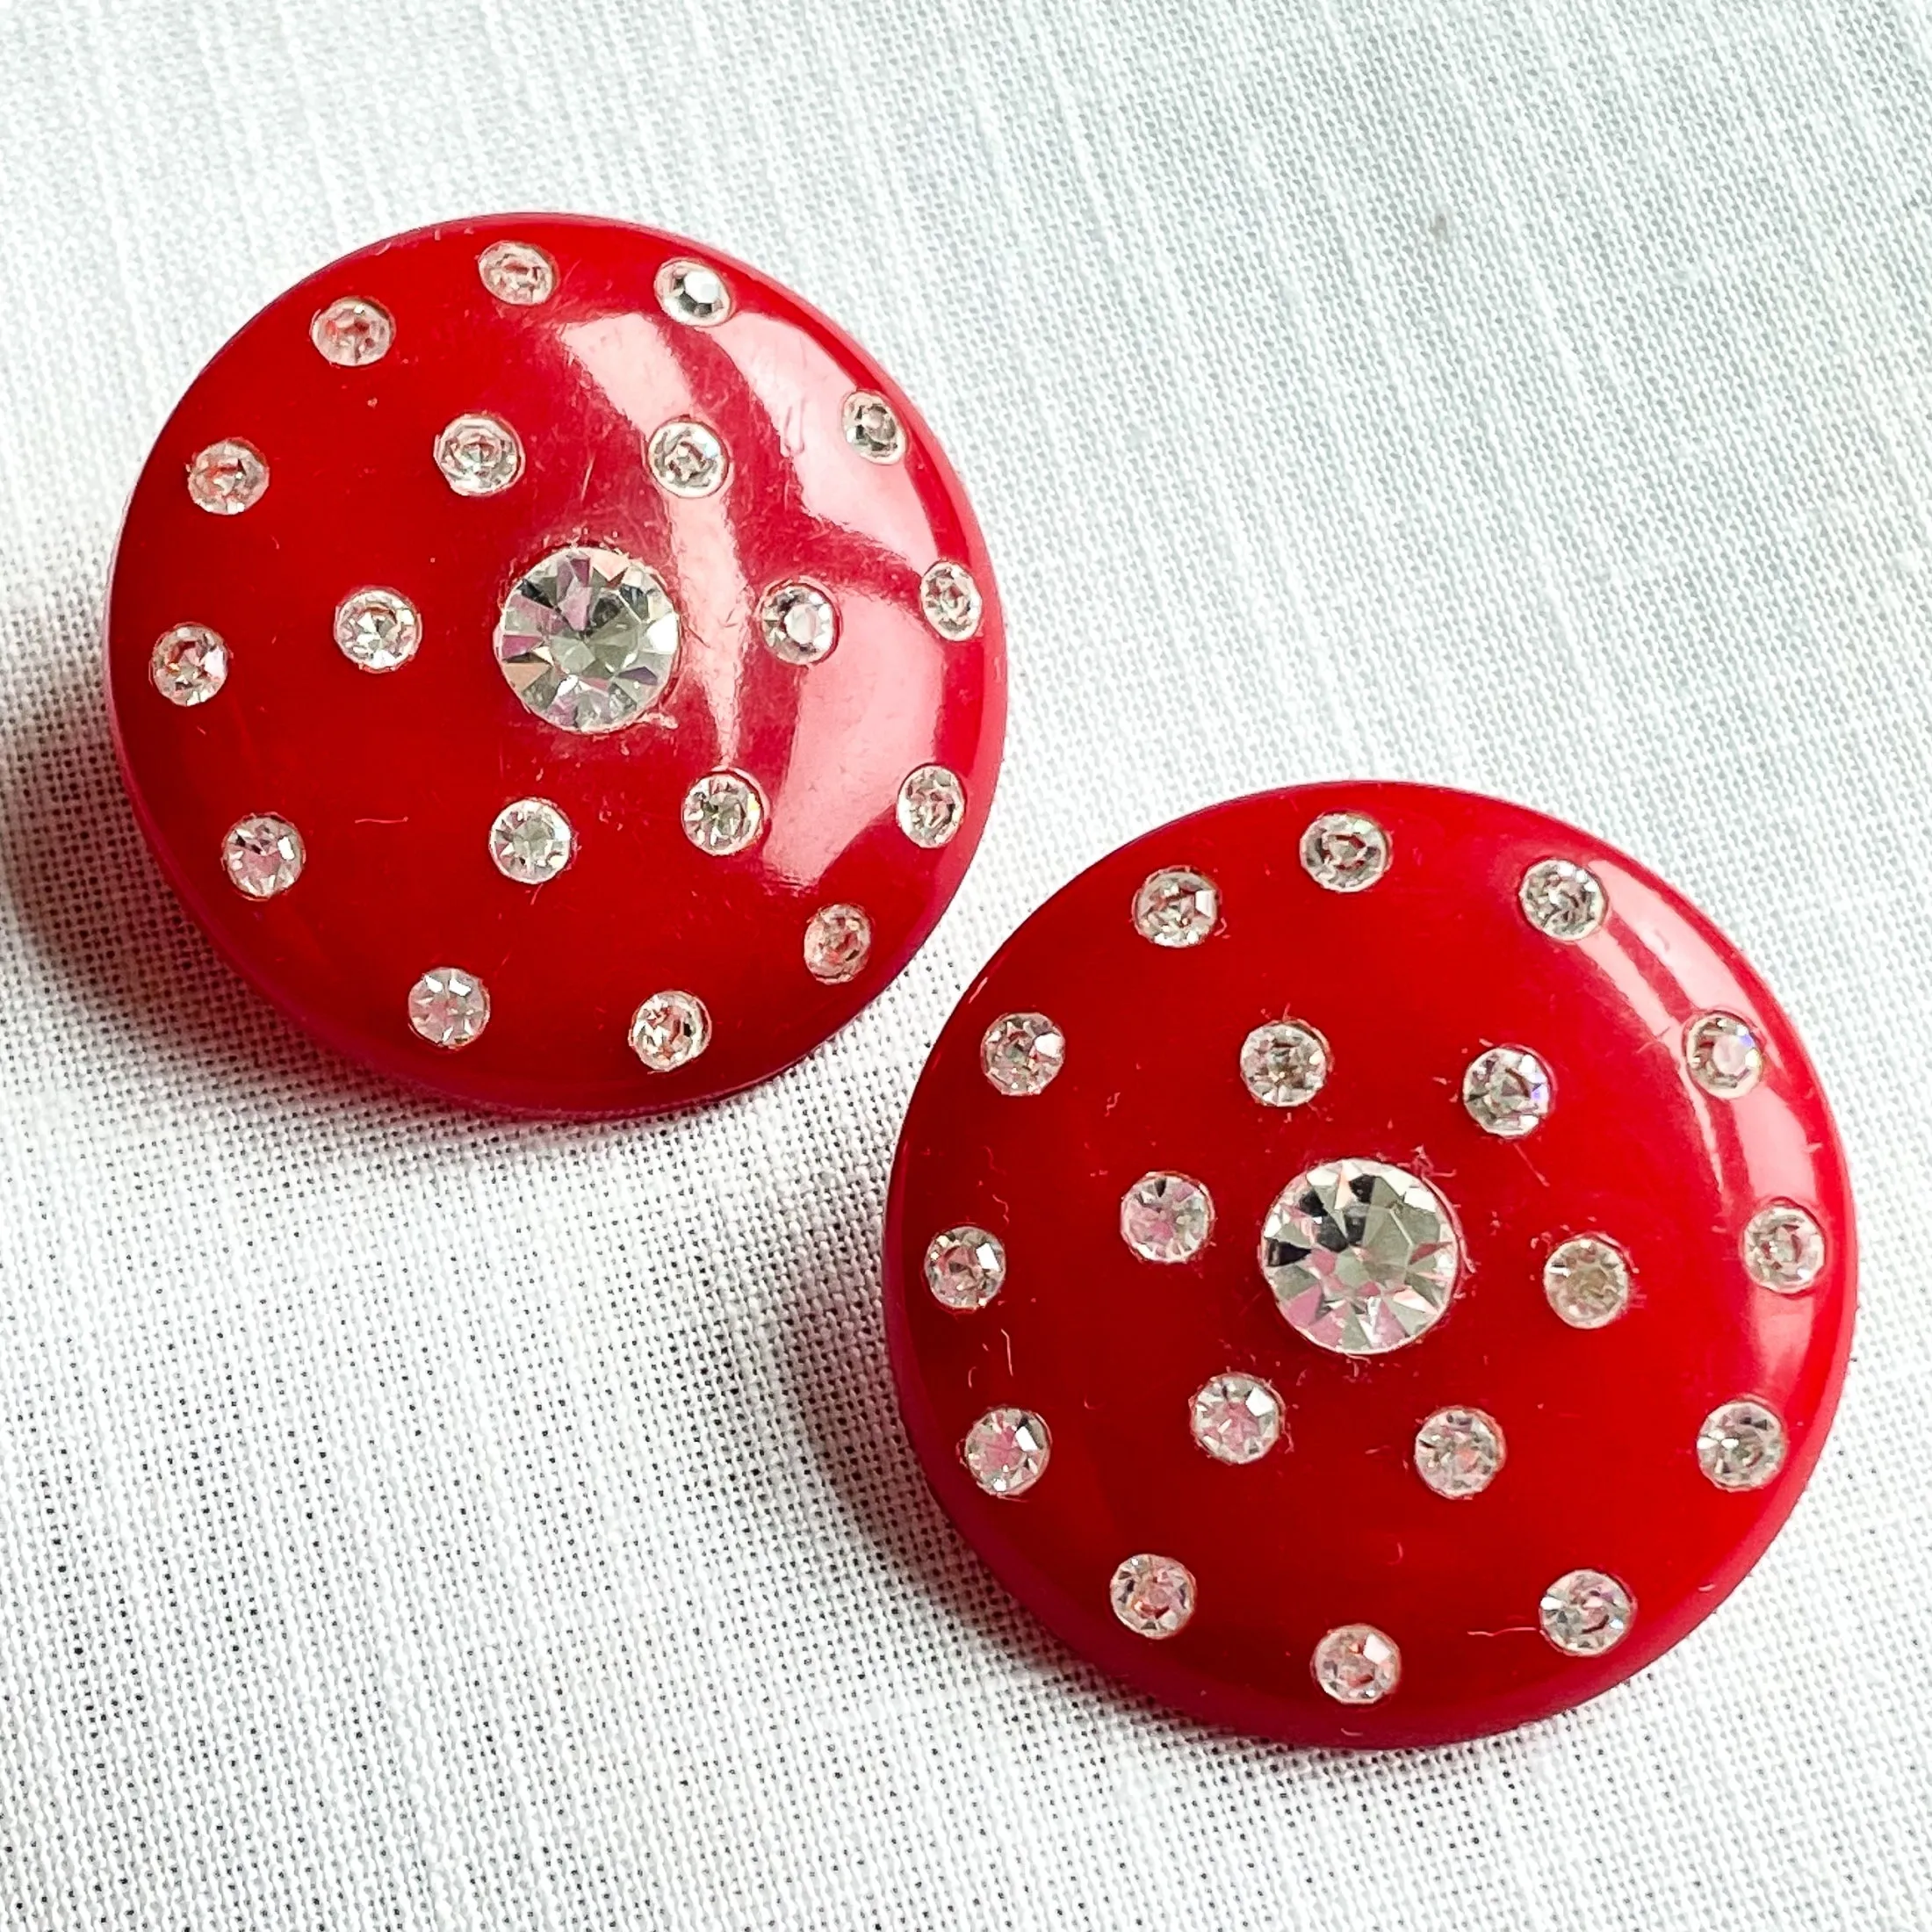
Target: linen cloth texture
409	1520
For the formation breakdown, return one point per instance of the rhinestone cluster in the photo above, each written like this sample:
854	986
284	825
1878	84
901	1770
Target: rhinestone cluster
588	639
1363	1257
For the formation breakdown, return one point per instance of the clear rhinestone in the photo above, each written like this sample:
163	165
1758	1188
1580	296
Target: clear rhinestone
1153	1596
1235	1418
262	856
517	273
872	429
1177	907
670	1029
1284	1064
351	333
965	1267
1459	1450
951	601
1741	1445
587	639
1507	1091
1723	1056
932	806
800	623
1006	1451
189	664
228	477
449	1007
1022	1052
1784	1249
478	455
1362	1256
1357	1664
1565	901
378	630
838	941
1166	1217
724	812
1345	851
691	292
688	458
1586	1612
1586	1281
530	841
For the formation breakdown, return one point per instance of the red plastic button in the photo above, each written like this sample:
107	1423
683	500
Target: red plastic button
1369	1265
556	666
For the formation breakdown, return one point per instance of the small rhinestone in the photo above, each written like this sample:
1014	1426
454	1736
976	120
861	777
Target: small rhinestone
690	292
724	812
1586	1281
378	630
189	664
516	273
1459	1450
1235	1418
872	429
227	477
965	1267
262	856
1166	1217
932	806
688	458
1153	1596
1006	1451
1345	851
1177	907
1285	1064
670	1029
1562	900
800	623
1586	1612
449	1007
951	601
530	841
1022	1052
1507	1091
1784	1249
837	942
351	333
1741	1445
478	455
1723	1055
1357	1664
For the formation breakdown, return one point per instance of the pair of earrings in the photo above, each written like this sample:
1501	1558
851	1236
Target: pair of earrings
1367	1264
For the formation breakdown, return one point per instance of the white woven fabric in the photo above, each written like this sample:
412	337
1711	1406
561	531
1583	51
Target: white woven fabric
1530	395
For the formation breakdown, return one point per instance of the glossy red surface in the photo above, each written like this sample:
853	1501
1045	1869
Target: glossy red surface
393	779
1409	980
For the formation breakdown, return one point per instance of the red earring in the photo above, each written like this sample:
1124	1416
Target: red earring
556	665
1369	1265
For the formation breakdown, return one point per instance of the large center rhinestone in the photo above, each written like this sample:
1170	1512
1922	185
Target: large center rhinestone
1362	1256
586	640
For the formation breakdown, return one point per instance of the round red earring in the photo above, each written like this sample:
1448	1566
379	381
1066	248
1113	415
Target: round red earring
556	665
1369	1265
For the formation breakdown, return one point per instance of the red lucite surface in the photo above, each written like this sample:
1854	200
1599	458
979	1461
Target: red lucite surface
1409	980
393	779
